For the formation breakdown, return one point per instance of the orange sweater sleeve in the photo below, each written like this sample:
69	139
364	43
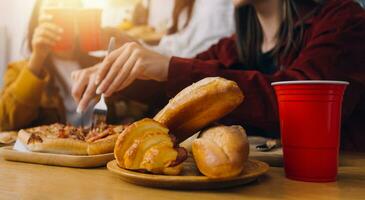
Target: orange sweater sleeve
20	97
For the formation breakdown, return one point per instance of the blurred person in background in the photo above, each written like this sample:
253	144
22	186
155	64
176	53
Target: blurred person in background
37	90
186	24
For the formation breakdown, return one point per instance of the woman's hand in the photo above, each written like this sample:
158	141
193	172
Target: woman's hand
128	63
83	91
45	35
118	70
44	38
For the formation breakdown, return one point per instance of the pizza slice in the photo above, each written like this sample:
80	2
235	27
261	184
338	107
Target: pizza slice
102	139
65	139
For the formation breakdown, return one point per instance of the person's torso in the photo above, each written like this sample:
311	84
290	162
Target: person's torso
349	68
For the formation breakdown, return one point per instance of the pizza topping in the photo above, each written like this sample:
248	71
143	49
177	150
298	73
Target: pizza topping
34	139
74	133
62	134
66	131
96	136
80	137
99	133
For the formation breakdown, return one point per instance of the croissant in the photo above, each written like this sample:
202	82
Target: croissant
147	146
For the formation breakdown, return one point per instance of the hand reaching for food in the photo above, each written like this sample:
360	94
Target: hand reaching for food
83	90
118	70
128	63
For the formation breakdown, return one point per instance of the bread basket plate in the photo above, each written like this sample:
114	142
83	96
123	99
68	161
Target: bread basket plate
190	179
8	153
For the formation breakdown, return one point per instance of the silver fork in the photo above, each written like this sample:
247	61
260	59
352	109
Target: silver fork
101	109
269	145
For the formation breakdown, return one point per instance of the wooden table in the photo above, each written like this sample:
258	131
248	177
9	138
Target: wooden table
30	181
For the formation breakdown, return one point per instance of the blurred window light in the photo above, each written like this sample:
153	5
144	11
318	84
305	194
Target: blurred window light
122	2
103	3
117	11
62	3
94	3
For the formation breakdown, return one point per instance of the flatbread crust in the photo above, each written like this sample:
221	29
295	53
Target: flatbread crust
102	146
50	143
8	137
54	145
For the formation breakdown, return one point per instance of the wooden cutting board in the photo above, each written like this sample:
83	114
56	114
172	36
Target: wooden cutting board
191	177
56	159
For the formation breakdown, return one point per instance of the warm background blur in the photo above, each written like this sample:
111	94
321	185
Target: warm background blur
14	16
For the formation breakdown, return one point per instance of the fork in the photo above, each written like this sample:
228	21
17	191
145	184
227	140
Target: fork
269	145
100	110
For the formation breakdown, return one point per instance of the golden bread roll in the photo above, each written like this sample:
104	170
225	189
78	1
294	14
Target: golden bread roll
221	151
198	105
147	146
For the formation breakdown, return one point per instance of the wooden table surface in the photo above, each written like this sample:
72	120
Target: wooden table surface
30	181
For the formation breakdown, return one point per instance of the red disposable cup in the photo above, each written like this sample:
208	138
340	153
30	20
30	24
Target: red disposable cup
64	18
310	123
89	26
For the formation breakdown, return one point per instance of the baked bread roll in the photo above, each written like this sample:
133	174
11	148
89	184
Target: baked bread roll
198	105
221	151
147	146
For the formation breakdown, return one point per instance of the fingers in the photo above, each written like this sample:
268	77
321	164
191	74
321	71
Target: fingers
121	76
48	33
75	75
51	28
135	73
88	95
128	66
47	19
84	88
115	69
80	86
111	58
106	64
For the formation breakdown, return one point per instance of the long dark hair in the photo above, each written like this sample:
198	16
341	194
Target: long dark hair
250	36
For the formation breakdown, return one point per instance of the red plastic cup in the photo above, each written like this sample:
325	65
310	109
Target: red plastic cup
310	123
89	26
64	18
